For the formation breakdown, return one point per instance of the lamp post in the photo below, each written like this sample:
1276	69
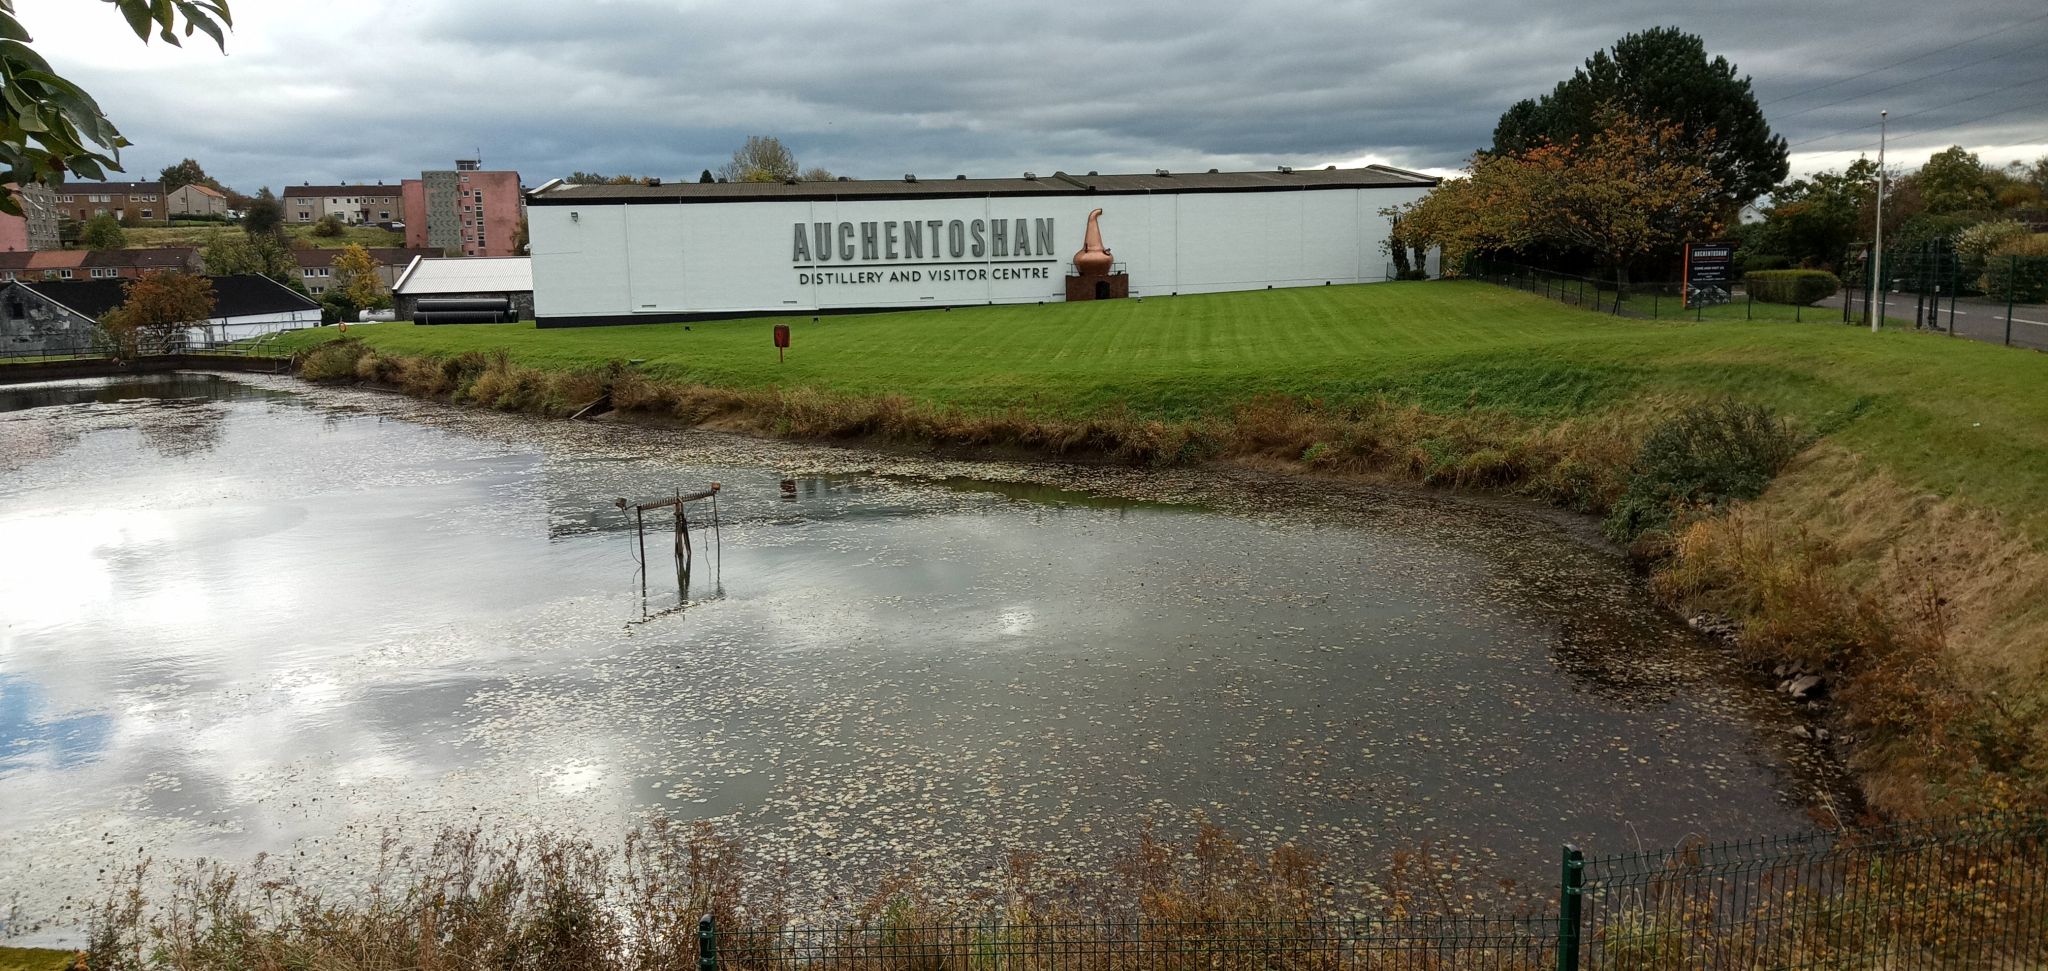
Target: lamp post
1877	244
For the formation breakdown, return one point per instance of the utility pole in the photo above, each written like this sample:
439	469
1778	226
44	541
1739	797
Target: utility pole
1876	307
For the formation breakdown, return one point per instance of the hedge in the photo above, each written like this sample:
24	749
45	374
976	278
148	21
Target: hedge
1801	287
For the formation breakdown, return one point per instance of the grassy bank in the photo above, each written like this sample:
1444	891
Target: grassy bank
35	959
301	234
1900	554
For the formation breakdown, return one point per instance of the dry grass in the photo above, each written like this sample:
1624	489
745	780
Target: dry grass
1929	619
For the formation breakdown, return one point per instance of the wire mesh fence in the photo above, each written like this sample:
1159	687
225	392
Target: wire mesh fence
1928	286
1961	893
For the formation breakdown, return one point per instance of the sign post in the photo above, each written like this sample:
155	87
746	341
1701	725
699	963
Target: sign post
1709	272
781	341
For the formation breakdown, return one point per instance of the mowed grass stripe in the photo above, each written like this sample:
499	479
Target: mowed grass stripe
1951	416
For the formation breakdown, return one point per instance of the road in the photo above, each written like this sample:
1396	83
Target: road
1974	317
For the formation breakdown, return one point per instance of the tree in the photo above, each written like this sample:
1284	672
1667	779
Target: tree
1622	196
762	159
263	254
1661	74
157	309
103	232
329	226
188	172
265	215
53	127
1813	222
816	173
592	178
706	178
1953	181
522	240
355	272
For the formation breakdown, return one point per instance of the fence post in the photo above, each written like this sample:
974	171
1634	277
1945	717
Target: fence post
1571	893
707	944
1749	304
1655	298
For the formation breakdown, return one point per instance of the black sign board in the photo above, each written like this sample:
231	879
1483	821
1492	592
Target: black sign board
1709	271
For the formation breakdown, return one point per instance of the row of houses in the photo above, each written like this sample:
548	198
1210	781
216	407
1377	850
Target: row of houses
315	266
465	209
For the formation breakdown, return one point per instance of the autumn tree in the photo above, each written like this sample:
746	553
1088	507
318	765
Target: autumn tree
54	128
355	272
816	173
263	254
762	159
156	310
1637	189
102	232
1662	74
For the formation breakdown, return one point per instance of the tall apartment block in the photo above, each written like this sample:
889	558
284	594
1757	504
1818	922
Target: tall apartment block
36	227
464	210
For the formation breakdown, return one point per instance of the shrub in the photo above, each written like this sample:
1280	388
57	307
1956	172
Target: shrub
2018	270
329	225
1801	287
333	361
1708	455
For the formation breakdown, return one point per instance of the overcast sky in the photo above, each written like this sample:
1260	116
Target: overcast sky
359	90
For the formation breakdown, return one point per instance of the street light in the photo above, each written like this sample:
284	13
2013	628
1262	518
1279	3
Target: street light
1877	245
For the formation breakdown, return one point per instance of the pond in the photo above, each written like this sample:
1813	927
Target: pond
244	615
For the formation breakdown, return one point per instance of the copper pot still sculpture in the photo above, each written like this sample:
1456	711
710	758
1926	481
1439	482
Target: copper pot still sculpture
1093	260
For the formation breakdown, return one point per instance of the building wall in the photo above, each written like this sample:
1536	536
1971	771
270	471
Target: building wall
82	201
30	324
221	330
188	201
740	257
36	227
413	195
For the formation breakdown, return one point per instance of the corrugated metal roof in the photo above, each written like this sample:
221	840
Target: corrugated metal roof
1058	183
466	274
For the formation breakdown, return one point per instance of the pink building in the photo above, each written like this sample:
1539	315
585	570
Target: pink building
464	210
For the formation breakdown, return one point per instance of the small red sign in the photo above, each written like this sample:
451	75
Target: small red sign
781	335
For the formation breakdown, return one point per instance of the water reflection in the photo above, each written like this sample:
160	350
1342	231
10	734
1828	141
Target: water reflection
352	609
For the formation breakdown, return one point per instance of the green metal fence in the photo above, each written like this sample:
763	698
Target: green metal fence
1961	893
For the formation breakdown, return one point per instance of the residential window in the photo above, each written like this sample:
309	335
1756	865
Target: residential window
323	271
383	217
101	211
64	274
308	271
465	178
305	217
317	289
102	273
148	214
66	197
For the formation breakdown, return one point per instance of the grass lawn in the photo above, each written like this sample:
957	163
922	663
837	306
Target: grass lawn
1954	417
151	237
34	959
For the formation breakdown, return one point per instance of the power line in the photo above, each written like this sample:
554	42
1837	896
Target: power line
1929	131
1923	77
1915	114
1879	70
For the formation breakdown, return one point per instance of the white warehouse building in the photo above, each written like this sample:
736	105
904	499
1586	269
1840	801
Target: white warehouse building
620	254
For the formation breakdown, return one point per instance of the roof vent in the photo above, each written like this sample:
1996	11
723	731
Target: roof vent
653	181
1033	176
909	177
1286	170
1162	173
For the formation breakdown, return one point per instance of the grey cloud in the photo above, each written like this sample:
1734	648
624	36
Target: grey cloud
879	89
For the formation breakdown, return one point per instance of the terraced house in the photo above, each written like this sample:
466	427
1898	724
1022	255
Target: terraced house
377	204
130	202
